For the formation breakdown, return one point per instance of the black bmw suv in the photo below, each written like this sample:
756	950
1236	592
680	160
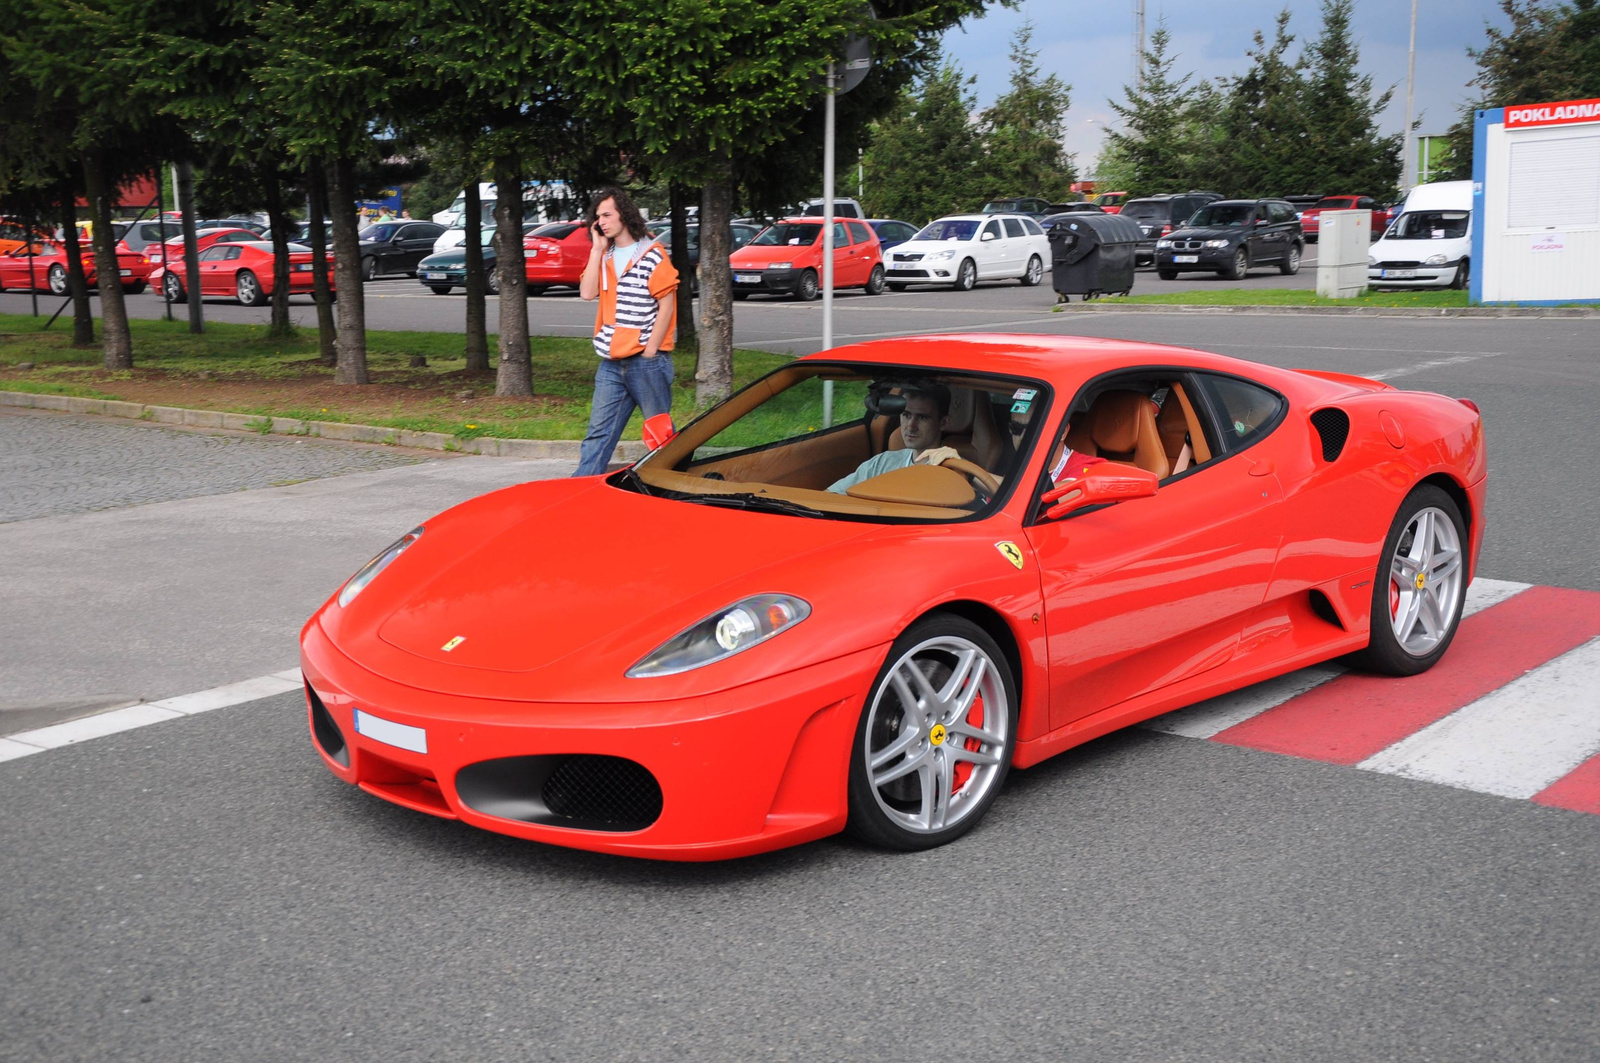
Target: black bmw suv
1159	215
1231	236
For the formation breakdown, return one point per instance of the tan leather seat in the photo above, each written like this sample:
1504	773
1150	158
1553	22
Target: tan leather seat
1174	429
1121	426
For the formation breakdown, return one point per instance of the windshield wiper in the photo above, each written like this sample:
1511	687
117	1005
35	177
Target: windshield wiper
747	500
634	480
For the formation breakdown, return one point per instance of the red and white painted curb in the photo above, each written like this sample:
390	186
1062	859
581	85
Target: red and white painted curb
1512	709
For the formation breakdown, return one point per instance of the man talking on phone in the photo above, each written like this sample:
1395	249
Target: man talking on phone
632	276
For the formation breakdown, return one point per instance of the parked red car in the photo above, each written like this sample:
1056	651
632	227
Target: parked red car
786	258
1111	202
172	286
244	271
1309	218
50	268
554	255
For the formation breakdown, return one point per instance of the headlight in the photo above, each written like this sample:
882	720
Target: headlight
724	633
1163	243
1216	243
942	256
1372	260
1436	260
359	581
780	265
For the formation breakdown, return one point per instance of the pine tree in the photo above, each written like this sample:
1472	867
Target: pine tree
1024	130
1152	146
1259	147
1342	150
926	156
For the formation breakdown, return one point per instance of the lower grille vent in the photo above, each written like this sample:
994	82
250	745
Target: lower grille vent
587	791
1333	425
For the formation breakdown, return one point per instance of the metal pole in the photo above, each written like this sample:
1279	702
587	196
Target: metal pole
1408	174
827	243
1138	44
161	229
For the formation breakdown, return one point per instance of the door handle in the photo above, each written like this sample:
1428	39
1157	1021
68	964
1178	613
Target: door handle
1262	468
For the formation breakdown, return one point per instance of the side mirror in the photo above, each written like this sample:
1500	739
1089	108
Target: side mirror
1097	486
987	236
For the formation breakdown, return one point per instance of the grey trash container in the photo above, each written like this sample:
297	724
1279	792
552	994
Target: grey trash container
1092	255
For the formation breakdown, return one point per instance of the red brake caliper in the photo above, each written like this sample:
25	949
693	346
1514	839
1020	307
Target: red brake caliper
963	770
1394	599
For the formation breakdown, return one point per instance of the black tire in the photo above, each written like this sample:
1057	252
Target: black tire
807	288
1239	266
966	275
1463	276
1291	263
1034	273
537	289
875	281
56	278
135	287
369	267
172	289
881	814
491	282
1167	274
439	289
1386	653
897	286
741	296
248	288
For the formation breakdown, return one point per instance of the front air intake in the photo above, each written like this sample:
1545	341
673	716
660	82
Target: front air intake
587	791
325	731
1333	425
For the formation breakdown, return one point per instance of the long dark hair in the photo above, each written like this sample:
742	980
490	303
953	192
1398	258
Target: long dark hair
632	220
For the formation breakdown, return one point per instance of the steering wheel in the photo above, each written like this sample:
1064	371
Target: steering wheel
973	471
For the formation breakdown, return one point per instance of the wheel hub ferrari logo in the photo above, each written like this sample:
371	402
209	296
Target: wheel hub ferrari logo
1422	578
1010	552
938	734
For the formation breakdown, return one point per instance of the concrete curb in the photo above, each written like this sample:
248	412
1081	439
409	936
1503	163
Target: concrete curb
562	449
1115	306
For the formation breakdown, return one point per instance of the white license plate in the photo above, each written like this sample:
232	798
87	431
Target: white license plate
747	278
399	735
127	273
1398	274
1186	258
304	267
531	253
435	276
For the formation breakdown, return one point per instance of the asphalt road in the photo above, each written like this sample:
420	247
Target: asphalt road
204	889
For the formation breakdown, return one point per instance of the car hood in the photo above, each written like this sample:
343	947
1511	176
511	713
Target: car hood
929	246
556	589
753	255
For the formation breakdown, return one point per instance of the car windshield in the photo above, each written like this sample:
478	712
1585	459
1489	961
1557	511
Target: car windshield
767	448
1002	206
1429	225
797	233
948	229
487	210
1222	216
1146	208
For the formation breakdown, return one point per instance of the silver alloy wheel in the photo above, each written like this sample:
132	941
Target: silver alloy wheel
57	279
172	288
249	288
1425	582
1035	271
966	275
928	763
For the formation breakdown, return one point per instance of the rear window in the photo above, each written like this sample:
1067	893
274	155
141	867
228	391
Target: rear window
1336	203
558	230
1146	208
1001	206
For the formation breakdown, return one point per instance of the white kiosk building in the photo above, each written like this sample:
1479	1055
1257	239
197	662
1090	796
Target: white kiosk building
1536	204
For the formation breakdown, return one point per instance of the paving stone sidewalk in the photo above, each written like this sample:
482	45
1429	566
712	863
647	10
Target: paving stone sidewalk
52	464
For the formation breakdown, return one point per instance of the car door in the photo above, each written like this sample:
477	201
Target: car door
1263	248
211	280
989	249
862	258
1016	245
1147	593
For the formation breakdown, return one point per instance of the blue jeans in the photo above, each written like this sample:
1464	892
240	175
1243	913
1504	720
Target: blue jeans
620	385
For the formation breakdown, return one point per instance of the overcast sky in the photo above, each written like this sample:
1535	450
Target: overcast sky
1090	46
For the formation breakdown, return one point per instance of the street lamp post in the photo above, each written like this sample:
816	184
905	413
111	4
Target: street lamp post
1408	173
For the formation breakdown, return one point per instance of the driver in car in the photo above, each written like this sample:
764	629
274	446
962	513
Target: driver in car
922	425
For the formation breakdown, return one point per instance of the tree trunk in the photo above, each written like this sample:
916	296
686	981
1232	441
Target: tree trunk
281	327
477	311
713	376
515	372
688	341
191	253
82	316
115	339
317	186
352	362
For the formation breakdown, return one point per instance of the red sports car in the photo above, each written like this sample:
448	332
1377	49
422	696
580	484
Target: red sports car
49	268
774	628
554	255
1311	217
170	282
243	271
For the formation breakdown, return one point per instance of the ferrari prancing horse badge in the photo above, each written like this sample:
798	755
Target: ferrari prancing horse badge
1010	552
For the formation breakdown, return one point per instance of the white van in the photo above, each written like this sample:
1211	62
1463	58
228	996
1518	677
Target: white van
1430	244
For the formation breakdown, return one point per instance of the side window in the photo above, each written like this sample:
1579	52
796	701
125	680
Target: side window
1364	203
992	229
742	235
1246	410
858	232
1263	215
233	251
1014	229
1031	227
840	237
1282	212
212	254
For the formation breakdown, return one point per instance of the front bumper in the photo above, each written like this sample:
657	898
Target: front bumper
751	769
442	277
1208	259
1423	277
782	281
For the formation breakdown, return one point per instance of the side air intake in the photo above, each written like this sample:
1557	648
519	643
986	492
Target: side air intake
1333	425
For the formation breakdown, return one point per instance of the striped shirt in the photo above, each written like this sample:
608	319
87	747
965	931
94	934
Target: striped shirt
628	313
